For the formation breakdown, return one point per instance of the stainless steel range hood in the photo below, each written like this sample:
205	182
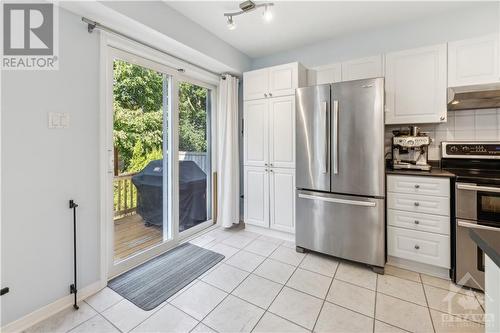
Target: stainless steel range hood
474	97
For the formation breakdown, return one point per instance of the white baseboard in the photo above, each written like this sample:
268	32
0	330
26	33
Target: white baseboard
418	267
45	312
269	232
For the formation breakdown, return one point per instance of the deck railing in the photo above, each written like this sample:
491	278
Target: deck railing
200	158
125	195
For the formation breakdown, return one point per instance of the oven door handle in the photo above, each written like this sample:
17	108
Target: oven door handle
478	188
469	225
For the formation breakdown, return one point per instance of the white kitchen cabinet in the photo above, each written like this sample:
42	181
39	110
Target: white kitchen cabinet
438	224
283	80
269	132
256	196
473	61
269	198
419	223
363	68
269	147
282	199
416	85
424	247
419	203
256	84
273	81
324	74
256	133
419	185
282	132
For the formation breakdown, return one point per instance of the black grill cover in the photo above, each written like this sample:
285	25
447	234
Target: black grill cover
192	199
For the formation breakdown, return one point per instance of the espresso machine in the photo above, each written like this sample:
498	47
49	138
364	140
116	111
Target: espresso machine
409	149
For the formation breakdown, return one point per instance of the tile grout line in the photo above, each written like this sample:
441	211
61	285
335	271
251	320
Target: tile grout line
231	292
100	314
83	322
375	304
175	296
428	308
324	300
282	287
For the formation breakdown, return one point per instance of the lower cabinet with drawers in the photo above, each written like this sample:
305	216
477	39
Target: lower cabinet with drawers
419	223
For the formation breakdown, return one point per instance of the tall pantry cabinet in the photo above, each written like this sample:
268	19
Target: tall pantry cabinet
269	146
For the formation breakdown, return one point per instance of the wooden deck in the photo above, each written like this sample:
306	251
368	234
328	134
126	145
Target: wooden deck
132	236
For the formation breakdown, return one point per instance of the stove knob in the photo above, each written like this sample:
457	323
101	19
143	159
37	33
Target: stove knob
453	149
465	149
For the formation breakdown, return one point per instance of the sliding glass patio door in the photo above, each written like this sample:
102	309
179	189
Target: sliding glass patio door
159	147
195	163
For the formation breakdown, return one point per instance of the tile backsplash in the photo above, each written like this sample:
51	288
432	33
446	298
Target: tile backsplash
469	125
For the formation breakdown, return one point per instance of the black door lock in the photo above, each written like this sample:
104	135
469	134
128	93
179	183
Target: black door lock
4	291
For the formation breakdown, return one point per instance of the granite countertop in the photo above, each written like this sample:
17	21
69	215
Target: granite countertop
488	241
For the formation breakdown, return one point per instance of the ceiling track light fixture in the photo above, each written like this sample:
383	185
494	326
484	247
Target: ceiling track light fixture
249	6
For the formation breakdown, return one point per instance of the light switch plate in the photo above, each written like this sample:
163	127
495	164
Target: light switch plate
58	120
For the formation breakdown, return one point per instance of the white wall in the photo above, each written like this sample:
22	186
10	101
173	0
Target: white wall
158	16
445	27
43	168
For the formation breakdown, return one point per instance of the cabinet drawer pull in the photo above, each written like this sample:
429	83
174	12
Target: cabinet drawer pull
417	247
270	95
416	204
265	95
417	222
417	186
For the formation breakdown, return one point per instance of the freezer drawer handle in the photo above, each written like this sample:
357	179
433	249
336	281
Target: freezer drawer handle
476	226
478	188
341	201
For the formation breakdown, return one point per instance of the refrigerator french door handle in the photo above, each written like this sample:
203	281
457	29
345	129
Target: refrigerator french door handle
341	201
324	111
335	137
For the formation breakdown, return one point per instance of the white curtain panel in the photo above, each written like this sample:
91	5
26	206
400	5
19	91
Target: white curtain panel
228	178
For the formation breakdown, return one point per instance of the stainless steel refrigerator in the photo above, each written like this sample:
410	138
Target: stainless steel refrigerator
340	171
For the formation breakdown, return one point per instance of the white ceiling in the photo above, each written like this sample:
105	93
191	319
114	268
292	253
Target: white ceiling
299	23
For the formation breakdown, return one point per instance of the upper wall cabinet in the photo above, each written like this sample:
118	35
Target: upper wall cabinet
256	84
415	85
473	61
324	74
273	81
363	68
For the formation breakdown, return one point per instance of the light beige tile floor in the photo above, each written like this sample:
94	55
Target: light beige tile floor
263	285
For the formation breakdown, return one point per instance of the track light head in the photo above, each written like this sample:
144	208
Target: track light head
268	14
230	23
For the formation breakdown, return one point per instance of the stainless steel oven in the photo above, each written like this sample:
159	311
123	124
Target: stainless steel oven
476	166
477	207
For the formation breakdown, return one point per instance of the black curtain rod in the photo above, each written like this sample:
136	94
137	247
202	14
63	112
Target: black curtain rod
92	25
